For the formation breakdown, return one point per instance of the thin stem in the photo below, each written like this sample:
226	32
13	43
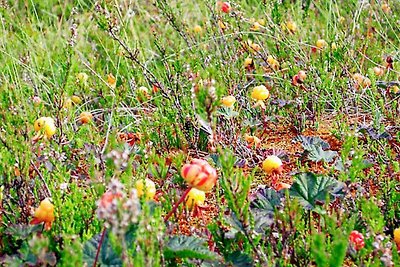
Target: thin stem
109	127
132	55
177	204
41	178
259	253
62	90
103	234
264	120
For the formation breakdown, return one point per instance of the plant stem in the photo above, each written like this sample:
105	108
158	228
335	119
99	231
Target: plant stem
264	120
177	204
41	178
261	256
103	234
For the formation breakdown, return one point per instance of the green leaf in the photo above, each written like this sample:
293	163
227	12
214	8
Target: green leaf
22	231
329	251
228	113
308	142
318	250
234	222
266	199
239	259
130	235
374	134
216	159
263	207
340	166
309	189
318	154
316	148
188	247
11	261
107	256
339	248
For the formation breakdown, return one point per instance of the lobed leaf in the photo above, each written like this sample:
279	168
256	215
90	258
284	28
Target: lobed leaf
311	189
188	247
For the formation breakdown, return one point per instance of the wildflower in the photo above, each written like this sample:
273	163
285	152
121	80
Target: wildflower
299	78
155	88
302	75
197	29
379	71
221	25
111	80
260	93
44	213
385	8
272	164
85	117
195	198
291	26
256	26
226	7
366	82
228	101
361	80
253	47
358	78
47	124
321	44
356	239
119	157
145	188
76	99
107	199
199	174
248	62
67	103
143	94
82	77
274	64
396	237
38	125
252	140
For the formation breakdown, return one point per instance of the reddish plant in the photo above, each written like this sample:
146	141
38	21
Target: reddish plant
44	213
199	174
225	7
356	239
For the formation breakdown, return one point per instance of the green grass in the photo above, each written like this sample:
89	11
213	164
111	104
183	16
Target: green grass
44	45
